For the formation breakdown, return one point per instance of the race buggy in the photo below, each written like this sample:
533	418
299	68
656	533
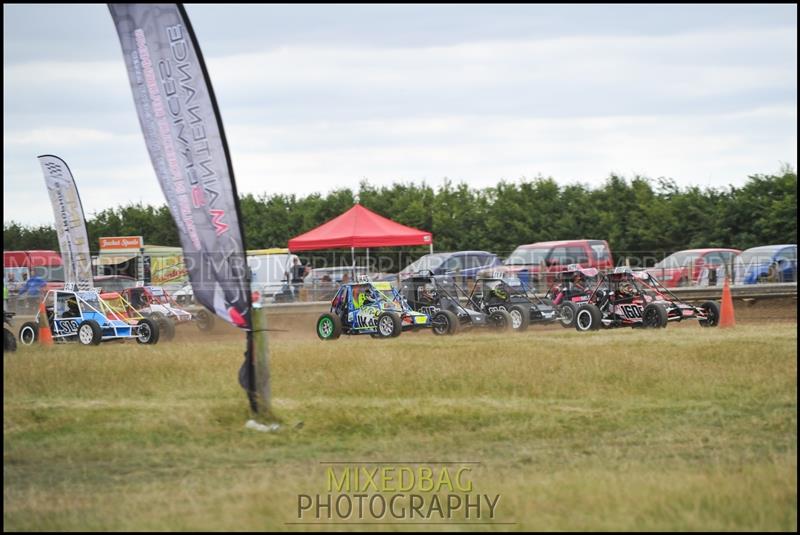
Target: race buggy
628	298
438	297
572	288
9	342
374	308
117	307
82	316
156	303
509	294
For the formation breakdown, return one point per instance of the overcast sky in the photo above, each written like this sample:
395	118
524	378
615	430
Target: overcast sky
320	97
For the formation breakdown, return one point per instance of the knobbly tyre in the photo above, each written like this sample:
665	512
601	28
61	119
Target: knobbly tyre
374	308
81	316
628	298
438	297
572	288
156	303
496	294
9	342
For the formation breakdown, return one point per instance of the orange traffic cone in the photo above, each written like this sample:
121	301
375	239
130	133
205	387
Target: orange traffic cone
726	315
45	336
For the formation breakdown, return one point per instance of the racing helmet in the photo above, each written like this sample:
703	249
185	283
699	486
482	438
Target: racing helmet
496	289
428	291
626	289
72	304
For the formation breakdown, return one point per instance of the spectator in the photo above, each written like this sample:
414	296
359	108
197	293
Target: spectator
33	286
298	271
32	289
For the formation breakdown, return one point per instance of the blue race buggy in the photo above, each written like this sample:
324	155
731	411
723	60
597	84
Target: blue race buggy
374	308
84	317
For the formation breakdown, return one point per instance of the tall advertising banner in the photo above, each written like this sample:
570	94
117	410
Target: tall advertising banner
179	118
70	222
184	136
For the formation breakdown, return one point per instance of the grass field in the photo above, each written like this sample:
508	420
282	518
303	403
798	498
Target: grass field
677	429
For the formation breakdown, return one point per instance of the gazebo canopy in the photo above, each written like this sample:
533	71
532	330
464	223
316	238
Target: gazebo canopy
359	228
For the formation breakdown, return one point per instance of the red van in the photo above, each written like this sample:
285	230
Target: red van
532	263
44	264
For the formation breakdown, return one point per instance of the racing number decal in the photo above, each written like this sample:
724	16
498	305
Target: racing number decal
632	311
66	326
366	317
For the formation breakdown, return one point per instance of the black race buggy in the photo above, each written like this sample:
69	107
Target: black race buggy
439	297
491	294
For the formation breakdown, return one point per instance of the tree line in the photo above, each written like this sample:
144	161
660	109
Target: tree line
637	215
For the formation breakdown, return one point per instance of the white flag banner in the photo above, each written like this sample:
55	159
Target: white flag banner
70	222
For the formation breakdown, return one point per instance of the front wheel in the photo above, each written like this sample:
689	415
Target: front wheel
588	318
445	322
654	316
329	327
711	310
147	331
205	321
500	320
567	312
29	333
90	333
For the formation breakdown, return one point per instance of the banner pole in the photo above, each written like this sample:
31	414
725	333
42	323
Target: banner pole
257	340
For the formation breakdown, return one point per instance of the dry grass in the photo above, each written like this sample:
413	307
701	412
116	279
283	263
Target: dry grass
680	429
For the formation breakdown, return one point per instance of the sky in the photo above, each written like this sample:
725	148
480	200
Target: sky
320	97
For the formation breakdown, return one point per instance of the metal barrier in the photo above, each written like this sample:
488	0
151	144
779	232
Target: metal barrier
739	291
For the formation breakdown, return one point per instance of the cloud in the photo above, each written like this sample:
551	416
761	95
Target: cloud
707	106
56	137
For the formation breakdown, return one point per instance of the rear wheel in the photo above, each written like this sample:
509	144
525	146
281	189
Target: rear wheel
587	318
89	333
29	333
520	317
166	328
329	327
654	316
567	312
711	309
389	325
147	331
445	322
500	320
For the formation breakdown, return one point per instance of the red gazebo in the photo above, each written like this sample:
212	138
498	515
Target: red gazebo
362	228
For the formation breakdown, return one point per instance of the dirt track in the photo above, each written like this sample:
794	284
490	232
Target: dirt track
292	324
301	324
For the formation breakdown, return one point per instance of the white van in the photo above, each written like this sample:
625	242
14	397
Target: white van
269	269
